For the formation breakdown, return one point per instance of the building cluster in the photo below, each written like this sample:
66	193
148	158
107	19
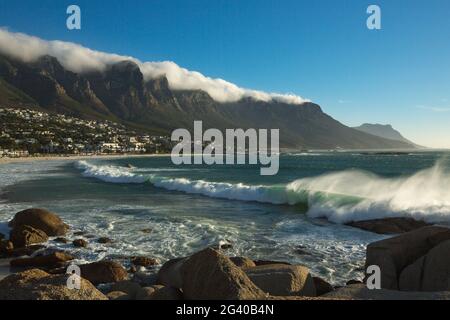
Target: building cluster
25	132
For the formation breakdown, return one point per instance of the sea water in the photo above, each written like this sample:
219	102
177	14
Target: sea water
151	207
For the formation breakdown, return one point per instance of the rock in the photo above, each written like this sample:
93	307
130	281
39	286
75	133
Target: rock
145	293
283	280
104	240
170	273
322	286
144	261
26	251
79	233
40	219
6	247
50	261
266	262
148	230
36	284
129	287
389	225
24	235
430	272
394	254
80	243
61	240
145	279
2	236
361	292
132	269
118	295
353	281
243	262
165	293
209	275
103	272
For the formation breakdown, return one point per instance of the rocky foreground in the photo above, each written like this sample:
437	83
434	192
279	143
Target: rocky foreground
414	265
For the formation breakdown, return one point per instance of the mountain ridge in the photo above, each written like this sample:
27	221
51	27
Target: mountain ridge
120	93
384	131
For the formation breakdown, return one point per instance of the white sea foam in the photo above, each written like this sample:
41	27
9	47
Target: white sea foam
341	197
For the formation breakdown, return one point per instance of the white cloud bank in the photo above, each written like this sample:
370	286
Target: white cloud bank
80	59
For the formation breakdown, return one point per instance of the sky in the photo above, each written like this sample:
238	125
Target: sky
321	50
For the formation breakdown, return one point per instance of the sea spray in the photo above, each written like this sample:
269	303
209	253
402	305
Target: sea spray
341	197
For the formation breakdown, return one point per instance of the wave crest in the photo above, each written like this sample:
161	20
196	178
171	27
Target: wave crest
341	197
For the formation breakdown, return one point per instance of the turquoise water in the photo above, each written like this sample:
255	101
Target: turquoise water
296	216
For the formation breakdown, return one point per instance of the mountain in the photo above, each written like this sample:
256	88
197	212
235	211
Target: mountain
384	131
121	94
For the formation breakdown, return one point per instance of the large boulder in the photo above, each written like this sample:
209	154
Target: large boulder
40	219
36	284
283	280
430	272
209	275
389	225
25	235
394	254
103	272
361	292
53	260
170	273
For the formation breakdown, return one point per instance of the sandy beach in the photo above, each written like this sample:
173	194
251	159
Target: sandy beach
6	160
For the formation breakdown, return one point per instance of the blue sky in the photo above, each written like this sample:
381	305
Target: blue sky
319	49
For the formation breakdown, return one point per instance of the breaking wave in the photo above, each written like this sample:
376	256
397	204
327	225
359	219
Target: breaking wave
341	197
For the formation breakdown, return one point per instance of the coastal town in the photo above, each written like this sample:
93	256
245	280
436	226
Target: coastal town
26	133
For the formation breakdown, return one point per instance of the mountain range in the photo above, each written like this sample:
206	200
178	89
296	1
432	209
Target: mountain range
121	94
384	131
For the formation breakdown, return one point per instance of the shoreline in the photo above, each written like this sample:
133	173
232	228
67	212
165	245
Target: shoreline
6	160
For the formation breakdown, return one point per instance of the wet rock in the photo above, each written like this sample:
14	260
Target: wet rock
144	261
40	219
36	284
25	235
27	251
61	240
104	240
389	225
266	262
6	247
353	281
209	275
322	286
103	272
80	243
283	280
54	260
243	262
148	230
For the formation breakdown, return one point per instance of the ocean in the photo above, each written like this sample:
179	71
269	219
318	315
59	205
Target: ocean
151	207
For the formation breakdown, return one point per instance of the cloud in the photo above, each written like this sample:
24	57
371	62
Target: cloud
434	109
80	59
